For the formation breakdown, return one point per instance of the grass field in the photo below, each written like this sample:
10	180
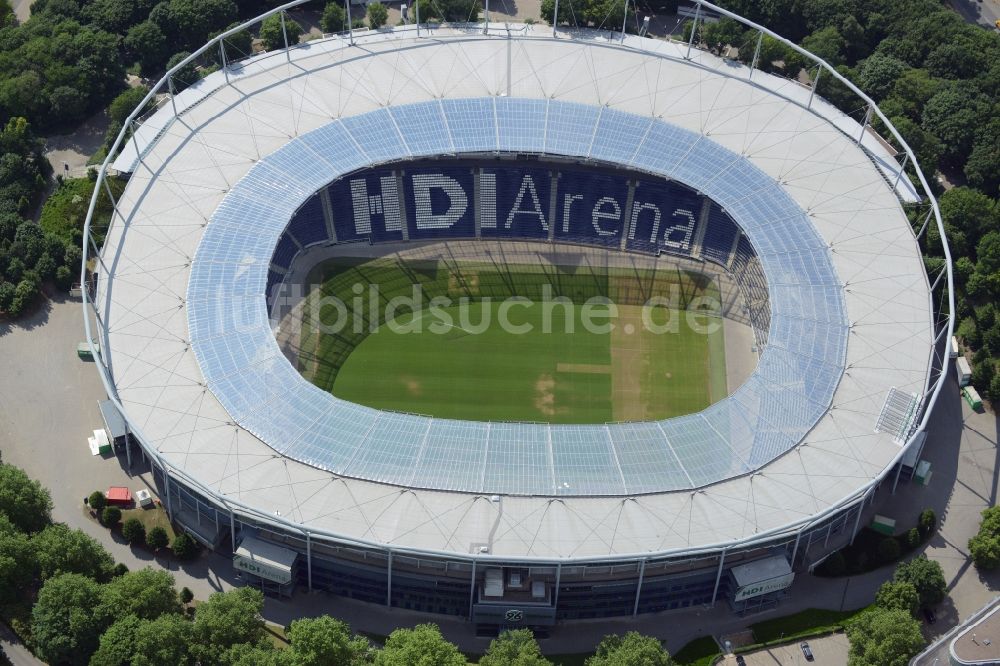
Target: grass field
570	362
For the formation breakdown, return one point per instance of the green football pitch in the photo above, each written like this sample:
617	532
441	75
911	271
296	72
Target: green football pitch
474	354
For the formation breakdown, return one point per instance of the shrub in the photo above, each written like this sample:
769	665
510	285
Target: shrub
273	36
184	546
97	501
156	538
927	522
111	516
888	549
119	570
913	538
134	531
985	546
186	595
377	15
334	18
835	565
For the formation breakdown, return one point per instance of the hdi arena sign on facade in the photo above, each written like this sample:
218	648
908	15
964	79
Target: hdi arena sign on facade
559	201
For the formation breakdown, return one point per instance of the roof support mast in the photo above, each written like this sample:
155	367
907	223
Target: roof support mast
694	29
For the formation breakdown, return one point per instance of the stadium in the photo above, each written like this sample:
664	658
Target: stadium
472	161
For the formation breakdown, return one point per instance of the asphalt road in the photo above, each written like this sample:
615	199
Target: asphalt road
983	12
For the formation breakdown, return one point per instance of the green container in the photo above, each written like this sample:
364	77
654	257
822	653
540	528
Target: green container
971	396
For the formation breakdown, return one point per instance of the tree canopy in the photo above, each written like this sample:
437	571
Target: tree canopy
883	637
61	550
145	593
898	595
227	619
984	547
423	645
64	628
927	578
632	649
514	648
325	640
273	37
25	503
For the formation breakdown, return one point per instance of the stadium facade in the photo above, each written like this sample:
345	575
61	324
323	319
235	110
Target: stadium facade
517	132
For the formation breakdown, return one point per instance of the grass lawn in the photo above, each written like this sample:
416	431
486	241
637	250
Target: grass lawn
65	210
150	518
810	622
699	652
569	362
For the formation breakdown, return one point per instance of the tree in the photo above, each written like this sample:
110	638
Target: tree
879	73
926	576
186	595
377	15
927	522
899	596
111	516
124	104
883	637
24	294
632	648
826	43
17	562
912	90
146	594
925	146
61	550
23	500
117	643
722	33
157	538
273	36
334	18
184	546
423	644
146	43
64	628
225	619
953	114
456	11
969	211
184	76
97	501
324	640
982	169
260	654
6	295
163	641
985	545
134	531
187	23
238	45
954	60
514	648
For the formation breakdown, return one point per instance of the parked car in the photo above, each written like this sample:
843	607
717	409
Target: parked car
806	651
930	616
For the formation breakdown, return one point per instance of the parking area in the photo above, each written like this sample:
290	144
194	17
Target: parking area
826	650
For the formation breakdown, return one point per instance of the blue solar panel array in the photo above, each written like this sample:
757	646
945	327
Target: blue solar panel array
791	388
